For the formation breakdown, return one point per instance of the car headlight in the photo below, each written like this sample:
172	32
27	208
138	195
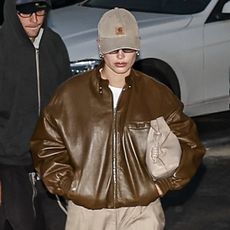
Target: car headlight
83	65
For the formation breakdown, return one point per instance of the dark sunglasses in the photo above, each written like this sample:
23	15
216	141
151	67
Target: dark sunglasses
123	50
27	15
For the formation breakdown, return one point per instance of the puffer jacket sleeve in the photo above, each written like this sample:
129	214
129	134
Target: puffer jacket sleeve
192	149
50	156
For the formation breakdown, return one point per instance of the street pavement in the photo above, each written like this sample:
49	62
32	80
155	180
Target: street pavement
204	204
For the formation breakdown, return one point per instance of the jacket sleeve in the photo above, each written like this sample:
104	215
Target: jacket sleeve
192	149
65	71
3	113
63	59
50	156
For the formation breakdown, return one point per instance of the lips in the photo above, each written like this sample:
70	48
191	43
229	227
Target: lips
120	64
34	27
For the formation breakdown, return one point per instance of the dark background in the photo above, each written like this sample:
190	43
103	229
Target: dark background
1	11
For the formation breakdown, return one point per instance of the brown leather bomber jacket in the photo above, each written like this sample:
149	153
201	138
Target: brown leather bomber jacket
95	156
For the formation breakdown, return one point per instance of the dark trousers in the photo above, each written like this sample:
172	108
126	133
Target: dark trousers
49	212
25	207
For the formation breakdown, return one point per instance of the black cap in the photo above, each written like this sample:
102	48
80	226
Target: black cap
29	6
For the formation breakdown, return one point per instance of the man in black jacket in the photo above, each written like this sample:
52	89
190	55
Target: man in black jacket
33	62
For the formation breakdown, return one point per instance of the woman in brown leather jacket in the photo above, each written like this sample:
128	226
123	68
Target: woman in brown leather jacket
91	141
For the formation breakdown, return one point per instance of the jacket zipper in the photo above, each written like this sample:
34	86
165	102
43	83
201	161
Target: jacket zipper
32	175
36	44
114	163
114	154
38	81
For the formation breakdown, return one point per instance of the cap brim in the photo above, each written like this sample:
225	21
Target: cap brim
108	45
32	7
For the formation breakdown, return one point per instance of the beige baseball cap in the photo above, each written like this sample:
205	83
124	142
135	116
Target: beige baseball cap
118	29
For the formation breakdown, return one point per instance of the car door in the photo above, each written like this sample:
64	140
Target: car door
217	58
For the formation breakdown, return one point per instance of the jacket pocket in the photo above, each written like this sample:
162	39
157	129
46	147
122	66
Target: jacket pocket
136	134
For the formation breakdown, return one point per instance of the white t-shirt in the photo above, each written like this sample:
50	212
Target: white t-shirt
116	93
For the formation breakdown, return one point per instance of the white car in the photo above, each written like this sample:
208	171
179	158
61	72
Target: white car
184	43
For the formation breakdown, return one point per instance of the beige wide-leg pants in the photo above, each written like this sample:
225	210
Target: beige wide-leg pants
149	217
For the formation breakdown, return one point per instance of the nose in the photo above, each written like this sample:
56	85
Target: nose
120	54
34	17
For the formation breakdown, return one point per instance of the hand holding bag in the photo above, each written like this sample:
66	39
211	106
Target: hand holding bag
163	150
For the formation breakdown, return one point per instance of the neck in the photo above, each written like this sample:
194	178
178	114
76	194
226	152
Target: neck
115	80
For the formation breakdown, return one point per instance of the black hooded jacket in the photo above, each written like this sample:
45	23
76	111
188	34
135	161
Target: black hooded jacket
23	92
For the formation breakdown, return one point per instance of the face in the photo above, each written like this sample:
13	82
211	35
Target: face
32	24
120	62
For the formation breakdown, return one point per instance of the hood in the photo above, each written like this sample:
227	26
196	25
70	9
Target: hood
11	25
77	26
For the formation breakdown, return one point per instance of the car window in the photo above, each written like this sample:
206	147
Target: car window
62	3
154	6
